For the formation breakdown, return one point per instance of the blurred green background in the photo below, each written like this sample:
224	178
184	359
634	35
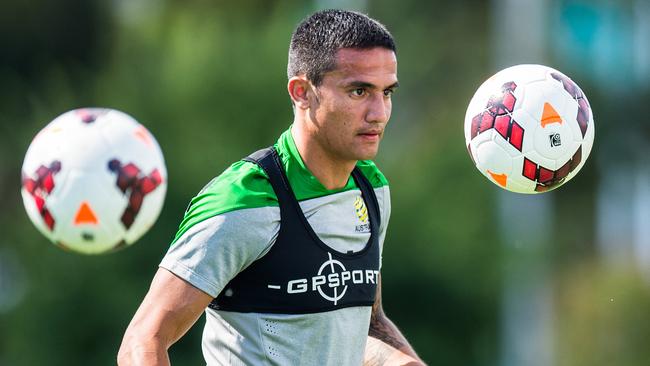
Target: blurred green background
472	275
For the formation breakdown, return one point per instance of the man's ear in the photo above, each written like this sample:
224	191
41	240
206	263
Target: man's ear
299	88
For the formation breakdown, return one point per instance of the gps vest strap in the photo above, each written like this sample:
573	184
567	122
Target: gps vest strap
300	274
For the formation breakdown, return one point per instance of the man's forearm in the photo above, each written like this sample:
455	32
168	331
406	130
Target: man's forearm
143	354
379	353
387	346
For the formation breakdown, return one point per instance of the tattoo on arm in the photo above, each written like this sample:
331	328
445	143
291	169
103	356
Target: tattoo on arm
385	341
381	327
382	330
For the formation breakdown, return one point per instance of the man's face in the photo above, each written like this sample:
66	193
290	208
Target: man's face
353	103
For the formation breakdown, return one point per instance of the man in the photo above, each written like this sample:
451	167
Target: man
282	250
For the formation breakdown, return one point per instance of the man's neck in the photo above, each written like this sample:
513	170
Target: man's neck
330	172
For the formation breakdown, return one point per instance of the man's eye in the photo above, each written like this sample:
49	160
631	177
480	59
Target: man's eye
358	92
388	92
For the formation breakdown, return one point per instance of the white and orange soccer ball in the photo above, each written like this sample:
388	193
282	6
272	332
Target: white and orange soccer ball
93	180
529	128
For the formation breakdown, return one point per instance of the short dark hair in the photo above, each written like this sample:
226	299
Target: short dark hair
316	40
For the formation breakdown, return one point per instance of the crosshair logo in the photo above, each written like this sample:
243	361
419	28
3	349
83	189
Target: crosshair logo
335	297
331	281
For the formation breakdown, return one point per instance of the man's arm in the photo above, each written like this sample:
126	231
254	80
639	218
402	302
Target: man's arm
386	345
168	310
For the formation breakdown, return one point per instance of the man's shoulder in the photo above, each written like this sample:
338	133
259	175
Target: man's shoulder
376	178
243	185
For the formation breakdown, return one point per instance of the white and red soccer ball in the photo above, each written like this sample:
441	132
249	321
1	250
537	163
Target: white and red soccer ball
529	128
93	180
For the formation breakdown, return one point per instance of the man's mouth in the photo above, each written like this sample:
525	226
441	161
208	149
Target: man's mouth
373	135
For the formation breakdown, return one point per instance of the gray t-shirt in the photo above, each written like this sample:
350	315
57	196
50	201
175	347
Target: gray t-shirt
235	221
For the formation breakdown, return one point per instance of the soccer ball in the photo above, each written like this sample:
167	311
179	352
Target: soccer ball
529	129
93	180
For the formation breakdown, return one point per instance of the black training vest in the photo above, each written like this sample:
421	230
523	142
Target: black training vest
300	274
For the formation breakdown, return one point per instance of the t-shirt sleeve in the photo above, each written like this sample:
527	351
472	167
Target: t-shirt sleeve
213	251
232	222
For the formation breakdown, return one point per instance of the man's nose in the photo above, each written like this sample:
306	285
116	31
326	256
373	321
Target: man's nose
379	109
